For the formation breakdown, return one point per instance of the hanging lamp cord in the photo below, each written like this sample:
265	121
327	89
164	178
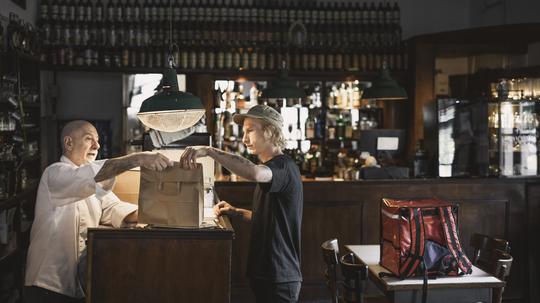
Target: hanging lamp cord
171	44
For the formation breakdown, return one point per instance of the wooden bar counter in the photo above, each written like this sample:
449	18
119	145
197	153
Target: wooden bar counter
349	211
159	265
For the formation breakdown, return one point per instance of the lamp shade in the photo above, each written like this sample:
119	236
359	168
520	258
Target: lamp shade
283	87
384	88
171	110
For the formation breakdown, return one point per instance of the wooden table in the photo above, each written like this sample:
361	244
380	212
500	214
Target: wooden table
473	288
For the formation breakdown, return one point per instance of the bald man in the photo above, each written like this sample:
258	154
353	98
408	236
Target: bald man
73	195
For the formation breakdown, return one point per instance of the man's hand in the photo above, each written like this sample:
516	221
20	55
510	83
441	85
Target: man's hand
132	218
190	155
154	161
224	208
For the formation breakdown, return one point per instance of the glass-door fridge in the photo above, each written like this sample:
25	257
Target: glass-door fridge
497	136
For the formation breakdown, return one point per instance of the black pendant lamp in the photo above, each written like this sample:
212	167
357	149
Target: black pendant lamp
385	88
171	110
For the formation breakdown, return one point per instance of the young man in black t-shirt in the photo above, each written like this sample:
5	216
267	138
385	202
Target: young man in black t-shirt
276	215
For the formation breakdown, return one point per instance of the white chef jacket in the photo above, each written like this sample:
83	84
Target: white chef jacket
68	202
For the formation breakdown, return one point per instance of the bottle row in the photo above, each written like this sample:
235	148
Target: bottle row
221	10
135	34
227	57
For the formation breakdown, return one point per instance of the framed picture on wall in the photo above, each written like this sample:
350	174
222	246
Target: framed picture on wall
21	3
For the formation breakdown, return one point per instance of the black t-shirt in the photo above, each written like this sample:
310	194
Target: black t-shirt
274	253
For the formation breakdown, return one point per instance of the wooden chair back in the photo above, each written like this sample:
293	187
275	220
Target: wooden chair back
501	264
330	251
493	256
484	246
355	275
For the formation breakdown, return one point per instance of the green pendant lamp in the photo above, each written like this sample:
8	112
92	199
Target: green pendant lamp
171	110
283	87
385	88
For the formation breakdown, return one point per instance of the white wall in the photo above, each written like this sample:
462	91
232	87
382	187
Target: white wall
419	17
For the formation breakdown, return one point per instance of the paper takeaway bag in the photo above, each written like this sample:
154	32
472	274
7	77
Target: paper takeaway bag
171	198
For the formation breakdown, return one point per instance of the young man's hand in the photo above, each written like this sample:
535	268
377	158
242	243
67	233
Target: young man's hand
190	155
154	161
224	208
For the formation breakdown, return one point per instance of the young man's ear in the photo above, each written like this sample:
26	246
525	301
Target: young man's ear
68	143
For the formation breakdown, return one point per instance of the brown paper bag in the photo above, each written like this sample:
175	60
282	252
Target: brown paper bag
171	198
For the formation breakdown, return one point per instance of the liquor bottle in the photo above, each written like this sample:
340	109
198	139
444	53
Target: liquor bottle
220	57
136	11
253	57
396	14
147	11
201	55
236	57
90	15
62	10
163	10
330	58
119	11
192	55
111	12
80	12
348	128
271	57
71	11
420	161
310	127
128	11
261	58
154	14
211	56
388	14
44	10
321	58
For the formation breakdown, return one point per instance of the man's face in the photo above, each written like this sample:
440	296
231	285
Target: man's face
254	137
83	146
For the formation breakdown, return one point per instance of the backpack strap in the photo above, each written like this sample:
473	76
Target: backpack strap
416	252
452	240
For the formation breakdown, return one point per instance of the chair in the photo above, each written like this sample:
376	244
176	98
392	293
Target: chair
501	263
355	275
330	251
483	249
493	256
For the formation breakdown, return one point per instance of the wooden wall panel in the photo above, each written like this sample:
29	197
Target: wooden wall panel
127	265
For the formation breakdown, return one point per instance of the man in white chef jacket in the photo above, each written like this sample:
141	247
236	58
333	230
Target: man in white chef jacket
73	195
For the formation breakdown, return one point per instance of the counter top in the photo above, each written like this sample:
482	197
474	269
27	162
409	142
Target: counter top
494	180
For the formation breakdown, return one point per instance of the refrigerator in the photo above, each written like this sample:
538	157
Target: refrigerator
487	137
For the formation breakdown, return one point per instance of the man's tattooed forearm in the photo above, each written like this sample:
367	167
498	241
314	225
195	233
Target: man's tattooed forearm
112	168
233	157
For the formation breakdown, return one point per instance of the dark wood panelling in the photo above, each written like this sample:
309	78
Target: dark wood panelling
349	211
126	265
530	238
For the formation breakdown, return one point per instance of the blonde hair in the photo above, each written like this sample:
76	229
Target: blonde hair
274	134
